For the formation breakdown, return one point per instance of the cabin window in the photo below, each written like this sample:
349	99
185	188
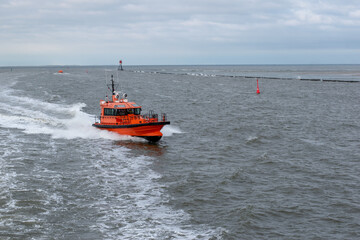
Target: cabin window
137	111
120	112
109	112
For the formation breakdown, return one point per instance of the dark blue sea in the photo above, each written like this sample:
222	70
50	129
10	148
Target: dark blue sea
233	164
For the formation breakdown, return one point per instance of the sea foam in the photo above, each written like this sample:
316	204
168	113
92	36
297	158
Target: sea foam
34	116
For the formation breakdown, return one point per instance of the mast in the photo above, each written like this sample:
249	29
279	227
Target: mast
112	85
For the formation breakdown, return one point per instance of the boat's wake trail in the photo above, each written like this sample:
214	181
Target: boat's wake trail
34	116
115	190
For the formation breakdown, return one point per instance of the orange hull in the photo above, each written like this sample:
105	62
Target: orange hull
149	131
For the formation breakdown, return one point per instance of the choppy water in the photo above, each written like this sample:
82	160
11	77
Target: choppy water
232	165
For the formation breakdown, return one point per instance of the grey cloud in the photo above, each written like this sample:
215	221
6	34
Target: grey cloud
174	29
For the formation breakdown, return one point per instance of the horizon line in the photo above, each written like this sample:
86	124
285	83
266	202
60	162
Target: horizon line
200	64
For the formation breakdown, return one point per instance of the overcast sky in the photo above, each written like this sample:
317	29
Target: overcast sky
101	32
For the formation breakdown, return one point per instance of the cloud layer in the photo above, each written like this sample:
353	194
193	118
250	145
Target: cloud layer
40	32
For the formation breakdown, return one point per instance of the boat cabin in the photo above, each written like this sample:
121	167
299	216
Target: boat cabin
120	111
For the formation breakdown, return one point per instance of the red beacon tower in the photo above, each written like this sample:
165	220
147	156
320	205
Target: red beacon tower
120	66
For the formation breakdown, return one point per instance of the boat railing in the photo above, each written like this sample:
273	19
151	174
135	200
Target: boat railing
154	117
163	117
151	117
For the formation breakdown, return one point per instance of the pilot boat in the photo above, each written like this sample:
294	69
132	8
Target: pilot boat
124	117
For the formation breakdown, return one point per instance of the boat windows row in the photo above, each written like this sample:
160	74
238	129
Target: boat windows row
121	112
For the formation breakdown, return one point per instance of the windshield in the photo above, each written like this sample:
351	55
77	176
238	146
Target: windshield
121	112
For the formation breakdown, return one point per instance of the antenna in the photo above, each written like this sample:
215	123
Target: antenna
112	84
